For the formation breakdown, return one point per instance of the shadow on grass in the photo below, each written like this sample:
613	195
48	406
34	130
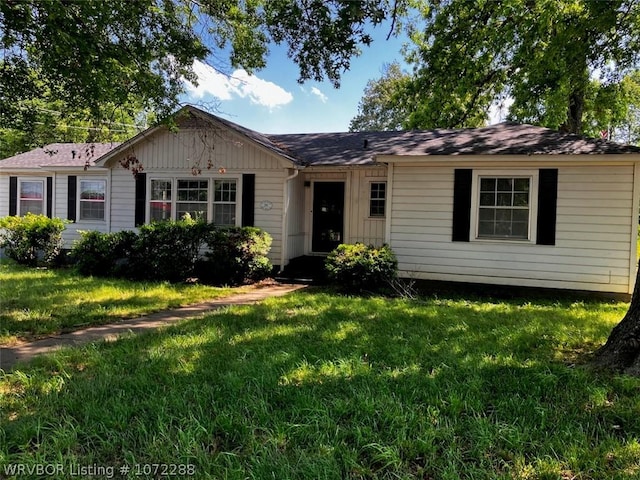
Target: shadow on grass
319	386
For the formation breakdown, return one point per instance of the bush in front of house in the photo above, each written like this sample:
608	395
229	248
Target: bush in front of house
32	239
236	255
159	251
169	250
361	268
104	254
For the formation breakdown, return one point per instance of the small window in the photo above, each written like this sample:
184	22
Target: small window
160	205
377	199
192	199
224	203
31	197
503	208
92	196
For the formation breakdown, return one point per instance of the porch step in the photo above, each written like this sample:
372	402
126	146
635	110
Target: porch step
305	269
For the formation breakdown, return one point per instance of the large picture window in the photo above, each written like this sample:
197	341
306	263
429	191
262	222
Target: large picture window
31	197
160	205
504	207
92	199
224	203
192	197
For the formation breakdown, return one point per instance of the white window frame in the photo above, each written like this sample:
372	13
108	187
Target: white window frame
19	194
222	202
173	179
385	199
80	200
207	203
533	203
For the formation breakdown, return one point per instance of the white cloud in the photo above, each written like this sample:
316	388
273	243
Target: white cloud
316	91
238	84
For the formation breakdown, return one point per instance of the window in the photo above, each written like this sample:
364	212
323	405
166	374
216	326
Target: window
160	205
31	197
192	198
224	203
92	195
377	199
504	207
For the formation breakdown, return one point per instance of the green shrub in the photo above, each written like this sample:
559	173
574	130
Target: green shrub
236	255
33	239
358	267
169	250
104	254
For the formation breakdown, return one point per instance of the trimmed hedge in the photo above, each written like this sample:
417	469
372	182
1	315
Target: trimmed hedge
32	239
173	251
236	255
359	268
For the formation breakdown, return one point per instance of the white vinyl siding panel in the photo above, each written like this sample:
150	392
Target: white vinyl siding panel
593	232
4	195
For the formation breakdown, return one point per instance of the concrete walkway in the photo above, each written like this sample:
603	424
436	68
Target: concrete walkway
10	356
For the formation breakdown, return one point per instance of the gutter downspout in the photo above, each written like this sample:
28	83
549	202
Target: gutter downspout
285	217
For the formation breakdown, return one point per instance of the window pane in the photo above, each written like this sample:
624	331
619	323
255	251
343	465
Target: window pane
488	199
92	195
224	215
377	199
92	210
504	199
196	210
521	185
92	190
521	200
505	184
487	184
485	229
160	211
160	190
503	208
32	190
31	206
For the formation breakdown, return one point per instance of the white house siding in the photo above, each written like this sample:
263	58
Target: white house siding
296	218
4	195
174	155
595	213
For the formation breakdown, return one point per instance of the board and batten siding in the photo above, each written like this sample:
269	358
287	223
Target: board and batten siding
174	154
358	224
592	251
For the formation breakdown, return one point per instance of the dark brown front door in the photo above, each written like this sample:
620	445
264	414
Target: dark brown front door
328	216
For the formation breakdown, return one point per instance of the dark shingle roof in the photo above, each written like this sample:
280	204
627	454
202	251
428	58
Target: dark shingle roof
59	155
360	148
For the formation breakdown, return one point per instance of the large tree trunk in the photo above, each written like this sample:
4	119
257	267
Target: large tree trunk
621	353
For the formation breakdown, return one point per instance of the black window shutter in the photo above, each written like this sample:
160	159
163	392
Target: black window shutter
13	196
50	197
461	204
547	206
248	199
141	198
72	192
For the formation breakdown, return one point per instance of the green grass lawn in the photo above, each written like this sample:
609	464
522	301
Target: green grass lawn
36	302
320	386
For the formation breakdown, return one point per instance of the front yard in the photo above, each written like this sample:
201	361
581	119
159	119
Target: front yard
316	385
37	302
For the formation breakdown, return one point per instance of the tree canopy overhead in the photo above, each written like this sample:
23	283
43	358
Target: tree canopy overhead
91	52
551	56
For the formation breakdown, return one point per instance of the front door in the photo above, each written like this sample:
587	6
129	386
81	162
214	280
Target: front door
328	216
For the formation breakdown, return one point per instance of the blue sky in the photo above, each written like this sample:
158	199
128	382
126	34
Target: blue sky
272	101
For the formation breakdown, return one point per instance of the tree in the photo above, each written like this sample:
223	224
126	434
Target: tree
382	106
90	53
542	53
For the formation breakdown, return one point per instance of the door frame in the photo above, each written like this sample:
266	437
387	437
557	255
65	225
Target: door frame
345	212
